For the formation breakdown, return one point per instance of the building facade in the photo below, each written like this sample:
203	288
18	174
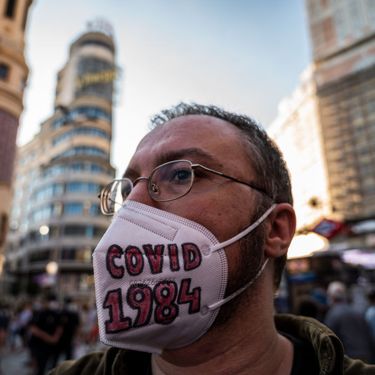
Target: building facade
343	41
297	132
56	222
13	77
337	131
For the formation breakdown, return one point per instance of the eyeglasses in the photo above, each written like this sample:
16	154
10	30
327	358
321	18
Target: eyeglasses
167	182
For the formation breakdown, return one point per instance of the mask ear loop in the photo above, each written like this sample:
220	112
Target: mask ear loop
244	232
221	245
217	304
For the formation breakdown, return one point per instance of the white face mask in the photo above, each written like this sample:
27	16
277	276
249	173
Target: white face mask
159	279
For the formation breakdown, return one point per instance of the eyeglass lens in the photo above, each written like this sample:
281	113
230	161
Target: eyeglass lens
114	194
170	181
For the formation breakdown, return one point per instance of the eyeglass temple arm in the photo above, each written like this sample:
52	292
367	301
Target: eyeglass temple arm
261	190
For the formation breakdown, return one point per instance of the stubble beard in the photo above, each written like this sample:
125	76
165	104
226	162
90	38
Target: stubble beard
250	261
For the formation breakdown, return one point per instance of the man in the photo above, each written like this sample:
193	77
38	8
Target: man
188	268
69	320
45	332
349	324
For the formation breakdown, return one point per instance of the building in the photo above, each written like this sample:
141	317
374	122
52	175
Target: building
343	41
327	126
297	132
56	222
13	77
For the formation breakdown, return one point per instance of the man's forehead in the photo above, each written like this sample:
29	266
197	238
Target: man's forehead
194	137
192	126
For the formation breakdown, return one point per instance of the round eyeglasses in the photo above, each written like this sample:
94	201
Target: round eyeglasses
167	182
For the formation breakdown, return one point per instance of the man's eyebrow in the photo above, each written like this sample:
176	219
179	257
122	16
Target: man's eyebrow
197	154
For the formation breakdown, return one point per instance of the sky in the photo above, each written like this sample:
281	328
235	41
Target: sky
243	55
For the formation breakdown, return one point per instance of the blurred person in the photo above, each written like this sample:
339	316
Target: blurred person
307	306
23	321
349	324
370	312
88	328
186	273
4	327
70	321
46	330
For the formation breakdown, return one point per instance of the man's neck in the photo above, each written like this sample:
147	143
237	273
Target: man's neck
259	350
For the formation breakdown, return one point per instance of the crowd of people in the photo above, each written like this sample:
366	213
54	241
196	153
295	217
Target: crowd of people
48	330
353	323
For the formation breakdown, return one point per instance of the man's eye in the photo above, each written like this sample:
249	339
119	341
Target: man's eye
180	176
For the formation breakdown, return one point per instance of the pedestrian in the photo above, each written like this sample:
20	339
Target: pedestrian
4	328
186	273
370	312
45	332
70	321
349	324
23	321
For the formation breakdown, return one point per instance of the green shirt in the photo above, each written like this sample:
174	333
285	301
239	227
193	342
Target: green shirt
324	343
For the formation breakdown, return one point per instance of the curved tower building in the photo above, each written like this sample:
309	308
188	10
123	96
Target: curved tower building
56	223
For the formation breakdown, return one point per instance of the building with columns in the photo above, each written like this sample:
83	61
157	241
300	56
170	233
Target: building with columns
56	222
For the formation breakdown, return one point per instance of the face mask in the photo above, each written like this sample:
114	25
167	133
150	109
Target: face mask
159	279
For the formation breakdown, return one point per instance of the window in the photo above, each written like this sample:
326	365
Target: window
68	254
73	208
4	72
82	150
82	187
94	209
91	132
3	227
9	9
75	230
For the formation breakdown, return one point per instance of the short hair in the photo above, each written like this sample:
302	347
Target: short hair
265	156
336	291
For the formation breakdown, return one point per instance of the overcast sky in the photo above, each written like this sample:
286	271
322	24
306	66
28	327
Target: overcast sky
244	55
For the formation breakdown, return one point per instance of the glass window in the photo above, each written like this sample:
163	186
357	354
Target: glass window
4	71
83	150
89	231
75	230
68	254
86	131
9	10
94	209
82	187
73	208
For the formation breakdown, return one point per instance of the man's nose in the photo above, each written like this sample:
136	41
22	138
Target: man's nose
140	193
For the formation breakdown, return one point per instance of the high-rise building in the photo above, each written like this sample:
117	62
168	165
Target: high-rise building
55	222
343	41
13	77
297	132
342	86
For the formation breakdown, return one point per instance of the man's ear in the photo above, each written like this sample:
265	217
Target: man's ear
280	232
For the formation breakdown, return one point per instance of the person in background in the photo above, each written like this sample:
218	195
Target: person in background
70	321
4	328
370	312
186	273
45	332
348	324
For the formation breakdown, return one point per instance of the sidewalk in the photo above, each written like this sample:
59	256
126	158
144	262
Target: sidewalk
14	363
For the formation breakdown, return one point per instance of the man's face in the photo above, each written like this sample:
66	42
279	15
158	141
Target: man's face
227	207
